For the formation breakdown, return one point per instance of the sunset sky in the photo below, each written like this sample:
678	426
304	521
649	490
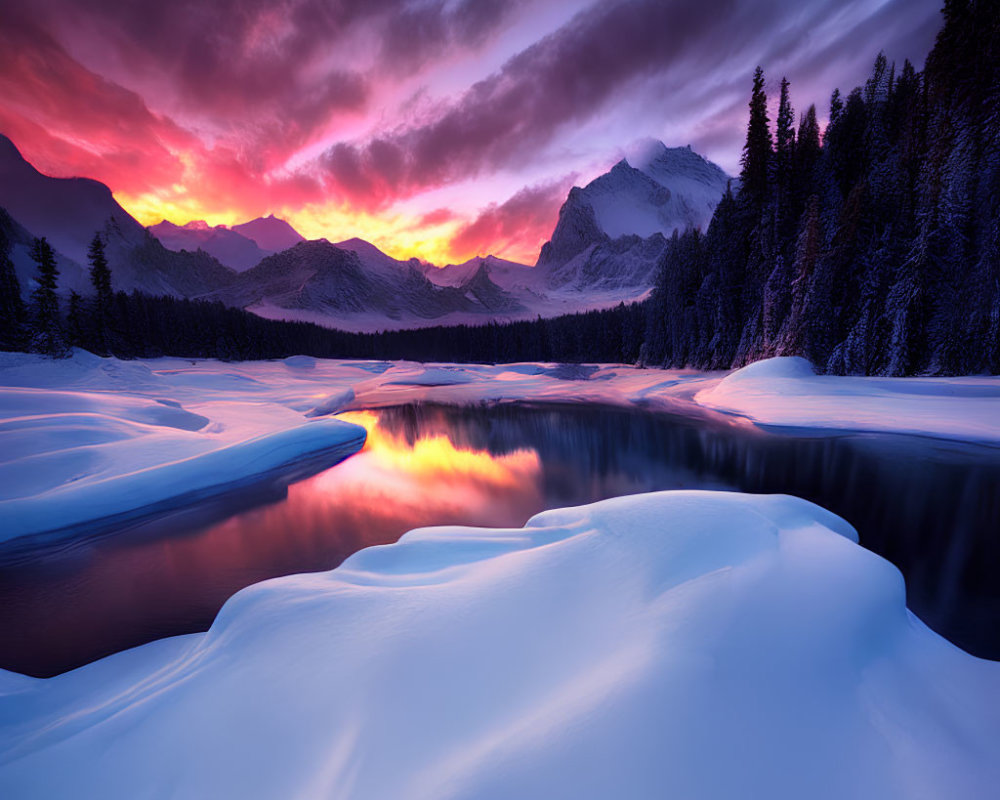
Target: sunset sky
437	129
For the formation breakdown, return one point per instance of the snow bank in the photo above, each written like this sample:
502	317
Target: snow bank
679	644
787	392
769	369
300	362
333	403
88	439
430	376
195	478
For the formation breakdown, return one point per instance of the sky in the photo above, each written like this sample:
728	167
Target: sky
442	129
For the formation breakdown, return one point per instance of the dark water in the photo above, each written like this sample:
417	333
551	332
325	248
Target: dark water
931	508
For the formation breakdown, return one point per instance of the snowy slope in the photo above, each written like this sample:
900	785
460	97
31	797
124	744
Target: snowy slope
229	247
694	182
375	261
353	285
508	275
681	644
67	211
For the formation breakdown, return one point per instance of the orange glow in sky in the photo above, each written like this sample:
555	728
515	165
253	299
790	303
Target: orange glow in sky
440	130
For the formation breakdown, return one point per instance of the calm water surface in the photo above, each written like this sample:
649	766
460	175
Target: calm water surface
931	508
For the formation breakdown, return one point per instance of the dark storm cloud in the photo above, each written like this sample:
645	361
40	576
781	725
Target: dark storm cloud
356	104
261	65
419	33
604	52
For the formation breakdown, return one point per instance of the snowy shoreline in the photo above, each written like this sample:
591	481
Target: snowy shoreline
88	438
85	507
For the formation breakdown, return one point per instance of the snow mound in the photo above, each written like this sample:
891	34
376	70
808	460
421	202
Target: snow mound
433	376
332	403
300	362
786	392
678	644
75	503
770	369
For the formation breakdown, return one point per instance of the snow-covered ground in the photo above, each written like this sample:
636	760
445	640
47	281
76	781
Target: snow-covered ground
87	438
785	392
680	644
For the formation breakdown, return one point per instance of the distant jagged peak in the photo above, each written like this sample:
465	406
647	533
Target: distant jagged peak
270	233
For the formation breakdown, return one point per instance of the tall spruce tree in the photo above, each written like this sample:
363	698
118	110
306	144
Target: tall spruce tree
758	149
784	139
103	305
46	326
76	322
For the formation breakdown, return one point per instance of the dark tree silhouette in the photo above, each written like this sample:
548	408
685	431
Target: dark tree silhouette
46	325
100	278
12	311
871	249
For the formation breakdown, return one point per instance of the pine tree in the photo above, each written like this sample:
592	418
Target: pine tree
805	158
784	140
76	321
12	313
836	107
46	329
794	339
100	277
758	150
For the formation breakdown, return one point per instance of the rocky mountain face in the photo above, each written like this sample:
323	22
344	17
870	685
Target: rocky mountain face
612	232
323	278
239	247
68	212
508	275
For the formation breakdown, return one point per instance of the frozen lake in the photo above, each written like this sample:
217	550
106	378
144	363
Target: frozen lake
930	507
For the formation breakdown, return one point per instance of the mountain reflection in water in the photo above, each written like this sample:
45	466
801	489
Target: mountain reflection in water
931	508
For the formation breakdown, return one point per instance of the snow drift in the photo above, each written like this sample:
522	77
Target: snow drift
679	644
787	392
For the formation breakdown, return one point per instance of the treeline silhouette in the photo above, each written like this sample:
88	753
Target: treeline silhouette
137	325
869	249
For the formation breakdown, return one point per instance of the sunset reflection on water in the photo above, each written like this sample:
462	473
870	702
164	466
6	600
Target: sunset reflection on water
932	516
172	575
430	478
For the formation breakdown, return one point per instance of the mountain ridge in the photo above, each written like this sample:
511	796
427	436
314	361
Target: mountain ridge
69	212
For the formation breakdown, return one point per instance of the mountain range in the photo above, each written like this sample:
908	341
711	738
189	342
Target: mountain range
239	247
606	247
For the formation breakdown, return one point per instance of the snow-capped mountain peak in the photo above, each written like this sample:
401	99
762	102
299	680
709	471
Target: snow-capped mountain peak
612	231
